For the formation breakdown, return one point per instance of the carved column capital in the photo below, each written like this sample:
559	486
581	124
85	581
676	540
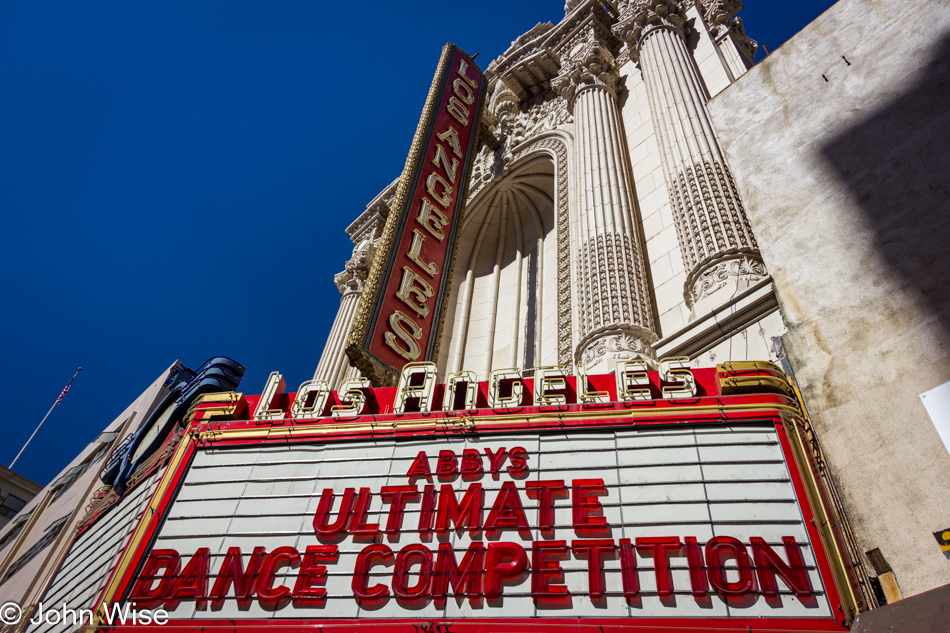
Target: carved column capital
357	269
349	280
589	63
639	17
720	17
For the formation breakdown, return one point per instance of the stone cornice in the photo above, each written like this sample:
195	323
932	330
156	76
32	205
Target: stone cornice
527	66
369	224
596	15
533	60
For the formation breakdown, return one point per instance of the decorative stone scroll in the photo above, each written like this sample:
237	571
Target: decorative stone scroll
619	342
726	274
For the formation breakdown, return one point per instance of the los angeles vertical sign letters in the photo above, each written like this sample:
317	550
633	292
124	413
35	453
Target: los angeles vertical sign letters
400	314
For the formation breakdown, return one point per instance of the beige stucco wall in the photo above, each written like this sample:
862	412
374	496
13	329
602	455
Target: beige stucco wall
840	144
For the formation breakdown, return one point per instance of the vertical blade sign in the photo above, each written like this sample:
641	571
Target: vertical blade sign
400	315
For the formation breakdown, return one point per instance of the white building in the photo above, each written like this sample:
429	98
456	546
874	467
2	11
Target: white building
602	221
31	544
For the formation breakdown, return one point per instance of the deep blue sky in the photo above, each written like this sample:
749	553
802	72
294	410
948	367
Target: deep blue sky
176	178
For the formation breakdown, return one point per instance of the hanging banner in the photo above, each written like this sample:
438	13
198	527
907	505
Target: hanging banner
400	315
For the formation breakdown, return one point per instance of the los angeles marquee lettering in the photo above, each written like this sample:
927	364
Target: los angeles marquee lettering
418	387
422	572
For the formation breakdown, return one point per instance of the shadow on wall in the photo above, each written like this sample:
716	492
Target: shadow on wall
896	163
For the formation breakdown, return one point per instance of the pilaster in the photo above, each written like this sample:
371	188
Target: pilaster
715	237
615	315
364	232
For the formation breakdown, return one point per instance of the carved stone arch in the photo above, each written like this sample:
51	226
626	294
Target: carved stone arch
516	219
555	145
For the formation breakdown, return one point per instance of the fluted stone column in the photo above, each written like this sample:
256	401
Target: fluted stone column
719	250
334	364
614	312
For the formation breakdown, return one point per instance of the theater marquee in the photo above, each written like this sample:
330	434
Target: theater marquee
698	510
400	314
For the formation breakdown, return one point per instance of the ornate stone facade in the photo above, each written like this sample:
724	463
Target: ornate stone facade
588	64
356	270
720	16
558	147
616	342
641	17
365	231
514	125
523	129
726	273
594	276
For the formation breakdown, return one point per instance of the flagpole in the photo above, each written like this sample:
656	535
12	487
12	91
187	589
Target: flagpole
58	400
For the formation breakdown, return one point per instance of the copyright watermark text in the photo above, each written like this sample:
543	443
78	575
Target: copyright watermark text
12	613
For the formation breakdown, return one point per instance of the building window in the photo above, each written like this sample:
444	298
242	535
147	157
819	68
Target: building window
69	478
11	505
51	533
14	532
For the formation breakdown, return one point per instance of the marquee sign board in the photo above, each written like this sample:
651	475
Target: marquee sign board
701	511
400	315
